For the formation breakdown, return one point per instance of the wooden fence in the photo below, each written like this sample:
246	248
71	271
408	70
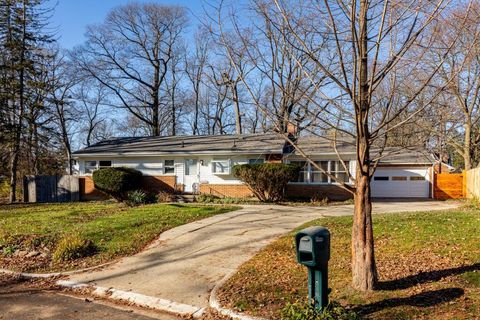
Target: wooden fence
51	189
472	183
448	186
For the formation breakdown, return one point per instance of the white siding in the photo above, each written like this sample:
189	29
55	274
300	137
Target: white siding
207	176
153	166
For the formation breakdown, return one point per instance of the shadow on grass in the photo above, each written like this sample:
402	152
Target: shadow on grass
424	277
424	299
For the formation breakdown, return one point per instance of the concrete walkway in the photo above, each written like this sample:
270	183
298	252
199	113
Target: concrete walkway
188	261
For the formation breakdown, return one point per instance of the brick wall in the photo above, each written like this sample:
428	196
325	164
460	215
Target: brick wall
168	184
88	191
332	192
226	190
149	183
159	183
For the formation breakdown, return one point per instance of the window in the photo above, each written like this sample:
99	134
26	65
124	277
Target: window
380	178
338	169
90	166
104	164
191	167
255	161
319	176
399	178
168	166
417	178
310	174
221	166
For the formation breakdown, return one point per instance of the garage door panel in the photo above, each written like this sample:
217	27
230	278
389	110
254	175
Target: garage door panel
401	183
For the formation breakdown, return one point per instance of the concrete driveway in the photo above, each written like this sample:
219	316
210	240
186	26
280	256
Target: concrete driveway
188	261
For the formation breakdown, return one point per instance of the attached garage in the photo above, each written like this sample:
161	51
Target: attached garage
401	182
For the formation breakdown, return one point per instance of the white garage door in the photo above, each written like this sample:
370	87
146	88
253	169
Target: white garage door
400	183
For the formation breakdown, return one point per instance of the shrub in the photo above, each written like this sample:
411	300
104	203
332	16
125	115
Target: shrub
137	197
164	196
4	189
267	180
305	311
116	182
207	198
73	247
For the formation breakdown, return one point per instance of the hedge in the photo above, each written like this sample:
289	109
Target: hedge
267	180
117	181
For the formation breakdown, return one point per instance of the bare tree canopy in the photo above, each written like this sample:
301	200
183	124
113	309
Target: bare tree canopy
368	63
130	54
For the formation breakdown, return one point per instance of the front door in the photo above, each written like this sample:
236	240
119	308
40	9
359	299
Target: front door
191	175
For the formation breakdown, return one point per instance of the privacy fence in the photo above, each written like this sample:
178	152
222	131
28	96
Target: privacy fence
457	185
51	189
472	184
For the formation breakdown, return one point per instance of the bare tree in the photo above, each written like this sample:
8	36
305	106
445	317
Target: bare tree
130	54
369	52
63	79
195	65
457	109
92	103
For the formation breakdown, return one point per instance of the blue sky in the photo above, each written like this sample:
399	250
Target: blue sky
72	16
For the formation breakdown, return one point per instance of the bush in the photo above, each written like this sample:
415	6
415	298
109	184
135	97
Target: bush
164	196
116	182
305	311
4	189
267	180
73	247
137	197
207	198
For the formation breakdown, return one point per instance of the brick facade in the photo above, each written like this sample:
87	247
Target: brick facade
88	191
226	190
149	183
156	184
332	192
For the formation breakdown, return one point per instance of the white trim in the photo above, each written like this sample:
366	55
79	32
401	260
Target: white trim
172	153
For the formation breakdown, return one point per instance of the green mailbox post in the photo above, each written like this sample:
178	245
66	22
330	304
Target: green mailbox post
313	251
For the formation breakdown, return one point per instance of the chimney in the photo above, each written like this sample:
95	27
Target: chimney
292	129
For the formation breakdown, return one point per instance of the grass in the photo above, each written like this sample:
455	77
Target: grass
117	230
428	262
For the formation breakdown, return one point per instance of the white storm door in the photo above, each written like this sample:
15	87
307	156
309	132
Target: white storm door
191	176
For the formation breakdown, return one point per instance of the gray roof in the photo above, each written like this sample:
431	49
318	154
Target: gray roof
266	143
345	146
212	144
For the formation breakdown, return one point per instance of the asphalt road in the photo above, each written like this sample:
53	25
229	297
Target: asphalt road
24	300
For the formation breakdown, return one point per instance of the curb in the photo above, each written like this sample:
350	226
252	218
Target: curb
54	274
137	298
215	304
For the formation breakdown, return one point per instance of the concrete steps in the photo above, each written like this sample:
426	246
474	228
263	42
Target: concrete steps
185	198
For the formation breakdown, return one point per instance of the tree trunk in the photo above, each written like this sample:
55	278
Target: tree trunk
467	154
18	132
13	169
238	116
364	270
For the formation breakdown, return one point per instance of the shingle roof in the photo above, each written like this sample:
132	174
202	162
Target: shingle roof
345	146
267	143
213	144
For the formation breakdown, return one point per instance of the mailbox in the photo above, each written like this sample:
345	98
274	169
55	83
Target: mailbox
313	251
313	246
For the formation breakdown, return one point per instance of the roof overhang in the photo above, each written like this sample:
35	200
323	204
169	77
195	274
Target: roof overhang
172	153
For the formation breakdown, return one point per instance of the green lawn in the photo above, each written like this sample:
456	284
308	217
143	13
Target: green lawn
117	230
429	266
